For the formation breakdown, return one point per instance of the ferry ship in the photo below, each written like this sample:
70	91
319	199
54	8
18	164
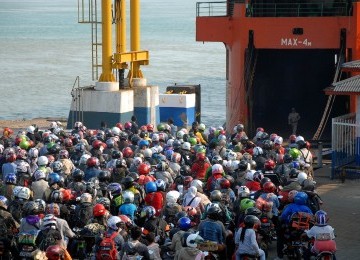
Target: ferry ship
280	55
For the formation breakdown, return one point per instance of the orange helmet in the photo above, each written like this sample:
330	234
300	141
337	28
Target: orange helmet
99	210
7	132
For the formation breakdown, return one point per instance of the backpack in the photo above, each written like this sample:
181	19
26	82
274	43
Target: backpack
50	238
225	197
15	208
133	255
107	249
84	214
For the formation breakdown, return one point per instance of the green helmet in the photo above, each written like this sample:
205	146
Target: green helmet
294	153
246	203
192	141
160	127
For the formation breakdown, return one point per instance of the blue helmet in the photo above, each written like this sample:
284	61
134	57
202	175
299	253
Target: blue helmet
10	178
301	198
168	154
53	178
114	189
143	143
150	187
4	201
184	223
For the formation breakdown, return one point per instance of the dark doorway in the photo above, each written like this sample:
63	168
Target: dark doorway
294	78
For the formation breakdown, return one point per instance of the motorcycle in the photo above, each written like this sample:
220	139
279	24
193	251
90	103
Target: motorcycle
26	244
266	233
325	255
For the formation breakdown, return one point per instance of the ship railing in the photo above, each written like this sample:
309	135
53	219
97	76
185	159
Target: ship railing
345	143
317	9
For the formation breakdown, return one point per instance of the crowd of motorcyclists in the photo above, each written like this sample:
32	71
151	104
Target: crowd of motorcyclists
158	192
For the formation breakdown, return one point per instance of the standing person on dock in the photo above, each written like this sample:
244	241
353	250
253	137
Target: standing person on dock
293	119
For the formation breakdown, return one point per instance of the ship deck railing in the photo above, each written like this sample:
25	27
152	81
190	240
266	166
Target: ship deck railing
311	9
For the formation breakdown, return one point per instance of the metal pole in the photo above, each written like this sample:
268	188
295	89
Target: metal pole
319	155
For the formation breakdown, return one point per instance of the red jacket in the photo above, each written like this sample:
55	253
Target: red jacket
156	200
199	169
253	185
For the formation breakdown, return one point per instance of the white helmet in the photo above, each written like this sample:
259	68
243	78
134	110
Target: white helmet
148	153
155	137
250	175
217	169
114	223
33	153
172	196
299	138
197	183
53	124
257	151
278	140
137	161
84	158
49	221
43	161
202	127
78	125
186	146
193	240
115	130
1	148
243	191
128	196
22	193
30	129
85	197
170	142
180	134
231	156
302	176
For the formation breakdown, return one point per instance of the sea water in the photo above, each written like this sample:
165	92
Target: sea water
44	49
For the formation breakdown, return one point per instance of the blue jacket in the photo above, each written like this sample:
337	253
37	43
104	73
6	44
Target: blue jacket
291	209
128	209
90	173
212	230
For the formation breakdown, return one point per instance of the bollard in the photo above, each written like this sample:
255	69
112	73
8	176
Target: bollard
319	155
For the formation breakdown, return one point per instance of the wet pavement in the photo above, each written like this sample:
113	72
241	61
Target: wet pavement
342	203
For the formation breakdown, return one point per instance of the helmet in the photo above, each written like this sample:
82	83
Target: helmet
96	144
186	146
299	138
127	152
302	176
244	192
184	223
99	210
53	178
287	158
43	161
92	162
185	170
115	130
160	184
148	153
263	181
104	201
321	218
143	143
63	154
269	187
7	131
215	195
217	169
150	187
84	158
114	189
193	240
24	144
21	154
55	252
243	165
291	195
128	181
224	183
201	127
56	196
278	140
250	221
295	153
22	193
49	221
31	208
11	157
249	176
216	159
41	204
258	176
125	219
114	223
85	197
213	210
115	154
3	201
78	174
246	203
269	165
11	178
176	157
22	167
127	125
172	196
57	166
144	169
33	153
187	181
148	212
110	143
128	196
104	176
293	173
253	211
257	151
301	198
268	144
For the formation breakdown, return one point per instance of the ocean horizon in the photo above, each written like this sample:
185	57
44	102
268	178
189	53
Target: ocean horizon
44	49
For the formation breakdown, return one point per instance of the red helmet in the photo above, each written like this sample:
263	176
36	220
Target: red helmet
99	210
127	125
269	165
292	138
144	169
92	162
18	140
119	125
55	252
143	128
128	222
150	127
96	144
224	183
269	187
127	152
11	157
51	158
67	195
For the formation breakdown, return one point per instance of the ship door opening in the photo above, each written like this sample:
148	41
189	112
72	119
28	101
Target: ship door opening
286	79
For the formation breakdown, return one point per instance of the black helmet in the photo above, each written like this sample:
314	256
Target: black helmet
213	211
243	165
31	208
253	211
293	173
268	145
115	154
265	136
176	144
104	201
287	158
56	196
135	139
78	175
104	176
128	181
217	160
120	163
301	144
264	180
185	170
250	221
